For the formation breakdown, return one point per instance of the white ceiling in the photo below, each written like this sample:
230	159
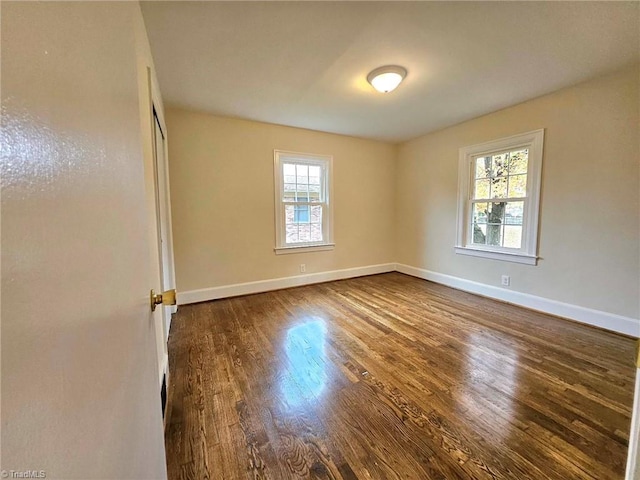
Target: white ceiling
305	64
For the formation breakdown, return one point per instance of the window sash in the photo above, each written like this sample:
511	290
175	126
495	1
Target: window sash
324	224
472	201
322	183
523	234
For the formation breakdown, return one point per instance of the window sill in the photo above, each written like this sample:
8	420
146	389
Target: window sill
304	248
504	256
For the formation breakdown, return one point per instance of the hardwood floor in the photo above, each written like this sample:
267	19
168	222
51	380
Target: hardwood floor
389	377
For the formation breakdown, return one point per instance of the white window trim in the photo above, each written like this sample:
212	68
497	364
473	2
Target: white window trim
324	161
527	254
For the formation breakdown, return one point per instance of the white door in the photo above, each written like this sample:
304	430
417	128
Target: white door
633	459
163	220
80	397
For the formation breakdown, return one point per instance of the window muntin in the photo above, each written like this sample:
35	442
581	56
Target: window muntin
302	200
498	198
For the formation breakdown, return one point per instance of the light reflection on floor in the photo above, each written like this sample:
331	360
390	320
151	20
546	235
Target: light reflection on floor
480	395
304	347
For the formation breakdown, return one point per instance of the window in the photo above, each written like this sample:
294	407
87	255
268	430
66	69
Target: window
303	208
498	198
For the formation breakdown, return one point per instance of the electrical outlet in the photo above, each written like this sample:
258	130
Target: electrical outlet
303	268
506	280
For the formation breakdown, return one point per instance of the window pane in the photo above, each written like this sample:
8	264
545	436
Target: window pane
496	212
292	233
479	235
518	161
316	214
289	169
482	188
518	186
314	175
499	187
301	214
304	230
512	236
314	193
499	165
302	172
513	213
289	214
316	232
483	167
479	213
302	195
289	192
494	234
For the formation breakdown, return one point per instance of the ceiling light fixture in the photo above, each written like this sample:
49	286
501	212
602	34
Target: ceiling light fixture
387	78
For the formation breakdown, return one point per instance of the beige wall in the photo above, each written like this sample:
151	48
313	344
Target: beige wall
589	229
222	195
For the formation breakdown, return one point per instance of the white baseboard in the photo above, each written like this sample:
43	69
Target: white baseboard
609	321
205	294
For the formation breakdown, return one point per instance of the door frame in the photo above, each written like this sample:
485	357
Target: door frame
163	196
633	453
151	108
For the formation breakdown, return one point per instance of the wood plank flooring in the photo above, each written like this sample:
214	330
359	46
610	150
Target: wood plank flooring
392	377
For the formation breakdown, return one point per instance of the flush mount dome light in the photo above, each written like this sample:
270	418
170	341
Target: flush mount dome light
387	78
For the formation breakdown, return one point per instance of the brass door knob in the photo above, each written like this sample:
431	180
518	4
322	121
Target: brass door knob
164	298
